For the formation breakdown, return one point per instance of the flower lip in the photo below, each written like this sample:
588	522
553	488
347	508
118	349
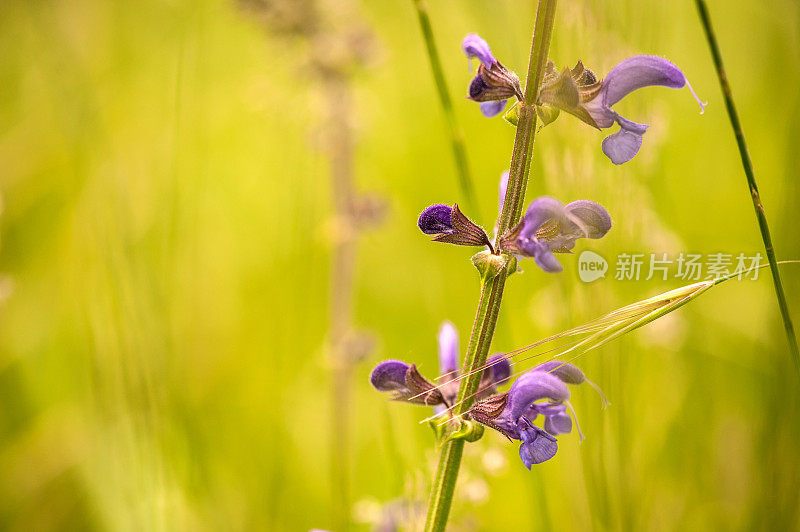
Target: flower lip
493	108
622	146
559	423
537	446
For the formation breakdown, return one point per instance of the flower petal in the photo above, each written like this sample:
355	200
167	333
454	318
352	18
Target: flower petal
531	387
591	217
637	72
537	446
436	219
389	376
448	348
547	409
622	146
475	46
500	368
540	211
545	259
558	424
568	373
477	87
494	108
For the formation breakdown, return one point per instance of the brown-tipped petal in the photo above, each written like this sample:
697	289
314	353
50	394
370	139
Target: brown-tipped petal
488	410
465	232
421	391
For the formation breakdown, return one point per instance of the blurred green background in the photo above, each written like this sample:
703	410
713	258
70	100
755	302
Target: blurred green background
165	271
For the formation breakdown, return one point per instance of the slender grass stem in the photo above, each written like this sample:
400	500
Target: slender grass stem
492	289
747	164
339	132
456	134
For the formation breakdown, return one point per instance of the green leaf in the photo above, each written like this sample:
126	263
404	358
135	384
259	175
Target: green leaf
512	115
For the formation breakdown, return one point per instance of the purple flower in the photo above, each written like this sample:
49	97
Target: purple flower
551	227
629	75
540	391
578	92
474	45
436	219
490	109
494	84
448	348
405	383
451	226
389	376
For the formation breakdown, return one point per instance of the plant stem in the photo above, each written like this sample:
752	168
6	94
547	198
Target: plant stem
492	289
456	135
340	142
444	483
751	182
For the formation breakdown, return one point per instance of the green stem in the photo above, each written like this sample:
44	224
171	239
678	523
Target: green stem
492	289
456	135
751	182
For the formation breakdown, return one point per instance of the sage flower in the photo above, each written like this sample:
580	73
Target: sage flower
436	219
550	227
494	84
540	391
577	91
451	226
405	383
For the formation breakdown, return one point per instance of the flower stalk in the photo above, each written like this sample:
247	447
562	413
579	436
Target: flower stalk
341	307
446	102
492	287
747	165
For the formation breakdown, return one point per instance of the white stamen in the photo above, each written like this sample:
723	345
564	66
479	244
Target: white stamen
600	392
575	417
696	98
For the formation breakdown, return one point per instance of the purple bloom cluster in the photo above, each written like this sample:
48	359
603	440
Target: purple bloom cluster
547	228
550	227
405	383
629	75
494	84
540	391
578	92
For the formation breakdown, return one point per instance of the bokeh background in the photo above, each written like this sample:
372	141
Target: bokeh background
166	242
